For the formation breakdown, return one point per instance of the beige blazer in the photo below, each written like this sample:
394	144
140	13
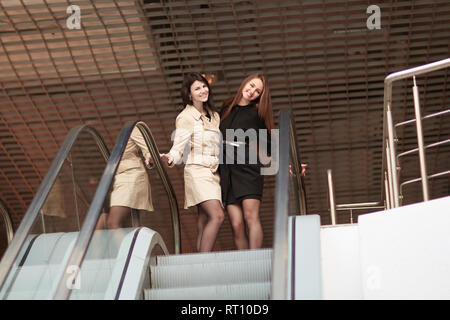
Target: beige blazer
196	139
131	186
130	157
196	143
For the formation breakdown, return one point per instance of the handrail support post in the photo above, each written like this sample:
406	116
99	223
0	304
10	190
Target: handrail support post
332	198
420	142
391	156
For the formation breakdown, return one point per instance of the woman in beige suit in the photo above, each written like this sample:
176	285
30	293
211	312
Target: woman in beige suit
131	186
196	143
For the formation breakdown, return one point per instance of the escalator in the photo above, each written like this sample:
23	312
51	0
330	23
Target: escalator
60	253
53	217
58	246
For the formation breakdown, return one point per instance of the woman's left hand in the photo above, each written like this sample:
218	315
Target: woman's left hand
302	173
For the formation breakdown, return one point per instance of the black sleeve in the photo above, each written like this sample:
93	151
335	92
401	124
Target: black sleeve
225	106
265	139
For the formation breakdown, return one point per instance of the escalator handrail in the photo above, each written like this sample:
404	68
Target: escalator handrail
32	213
8	223
175	213
87	230
84	237
299	181
279	283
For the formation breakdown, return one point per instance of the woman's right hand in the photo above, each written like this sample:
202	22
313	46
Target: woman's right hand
167	158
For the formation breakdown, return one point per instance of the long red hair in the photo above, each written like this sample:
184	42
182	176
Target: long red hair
263	102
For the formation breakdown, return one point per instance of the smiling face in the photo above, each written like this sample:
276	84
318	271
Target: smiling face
252	90
199	92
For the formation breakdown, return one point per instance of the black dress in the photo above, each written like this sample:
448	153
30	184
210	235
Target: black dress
239	180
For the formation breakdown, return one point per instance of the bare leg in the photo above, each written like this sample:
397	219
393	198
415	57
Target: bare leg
216	216
116	216
251	215
238	226
101	223
201	223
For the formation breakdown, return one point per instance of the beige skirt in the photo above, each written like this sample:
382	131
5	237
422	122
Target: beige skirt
132	189
200	184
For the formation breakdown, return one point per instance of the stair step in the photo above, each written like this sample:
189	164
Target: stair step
246	291
196	258
216	273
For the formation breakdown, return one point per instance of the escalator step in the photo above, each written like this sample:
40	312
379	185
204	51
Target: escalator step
247	291
234	255
214	273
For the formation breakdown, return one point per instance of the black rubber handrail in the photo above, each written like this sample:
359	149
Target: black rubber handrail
8	223
29	219
175	214
287	151
87	230
296	163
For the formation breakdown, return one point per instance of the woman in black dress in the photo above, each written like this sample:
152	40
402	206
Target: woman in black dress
241	181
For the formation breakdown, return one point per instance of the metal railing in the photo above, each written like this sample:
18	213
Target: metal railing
391	187
331	197
346	206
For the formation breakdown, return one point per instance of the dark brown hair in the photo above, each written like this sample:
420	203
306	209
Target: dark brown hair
188	80
263	102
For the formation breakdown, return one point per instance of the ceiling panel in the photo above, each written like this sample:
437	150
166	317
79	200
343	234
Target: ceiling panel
128	59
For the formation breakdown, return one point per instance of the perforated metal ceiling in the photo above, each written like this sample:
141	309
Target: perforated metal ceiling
128	58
